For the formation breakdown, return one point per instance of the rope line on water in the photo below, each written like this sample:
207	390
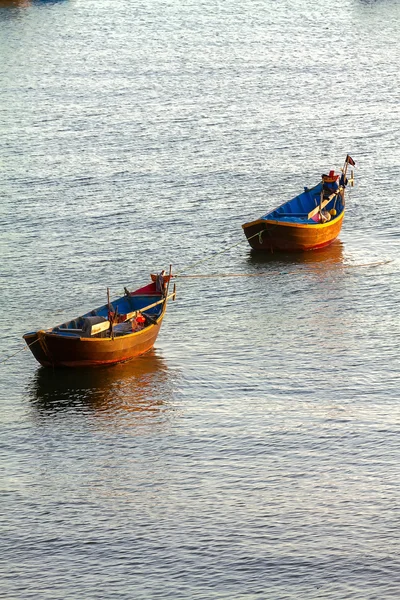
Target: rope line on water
267	273
212	256
234	275
18	351
216	275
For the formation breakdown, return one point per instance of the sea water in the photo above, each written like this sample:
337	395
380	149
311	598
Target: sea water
254	452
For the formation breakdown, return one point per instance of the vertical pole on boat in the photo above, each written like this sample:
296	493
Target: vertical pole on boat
345	167
110	316
169	279
344	171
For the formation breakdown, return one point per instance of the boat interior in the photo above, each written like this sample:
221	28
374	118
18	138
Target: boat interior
127	316
300	208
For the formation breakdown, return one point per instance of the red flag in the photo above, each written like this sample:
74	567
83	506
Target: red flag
350	160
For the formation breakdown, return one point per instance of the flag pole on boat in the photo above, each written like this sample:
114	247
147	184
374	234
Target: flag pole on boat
343	180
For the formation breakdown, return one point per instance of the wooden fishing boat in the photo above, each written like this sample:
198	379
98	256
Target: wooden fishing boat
311	220
113	333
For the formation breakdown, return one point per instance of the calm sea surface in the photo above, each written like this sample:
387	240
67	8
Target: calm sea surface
255	452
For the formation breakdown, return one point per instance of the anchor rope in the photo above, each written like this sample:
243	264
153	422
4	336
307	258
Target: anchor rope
209	258
176	275
18	351
268	273
212	256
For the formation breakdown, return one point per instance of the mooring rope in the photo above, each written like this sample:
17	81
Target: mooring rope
18	351
268	273
211	257
219	275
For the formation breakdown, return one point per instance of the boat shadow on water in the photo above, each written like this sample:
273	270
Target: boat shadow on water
142	385
331	255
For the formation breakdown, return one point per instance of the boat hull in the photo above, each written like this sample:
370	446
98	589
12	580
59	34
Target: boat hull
52	350
272	235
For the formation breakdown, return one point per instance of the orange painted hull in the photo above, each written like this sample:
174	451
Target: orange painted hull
51	350
274	235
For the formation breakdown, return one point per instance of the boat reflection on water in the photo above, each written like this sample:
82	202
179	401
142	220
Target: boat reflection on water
14	3
141	385
332	255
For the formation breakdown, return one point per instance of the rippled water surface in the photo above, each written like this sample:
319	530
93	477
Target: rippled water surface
254	453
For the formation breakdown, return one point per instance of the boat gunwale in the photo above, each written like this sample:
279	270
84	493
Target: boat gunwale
72	337
299	225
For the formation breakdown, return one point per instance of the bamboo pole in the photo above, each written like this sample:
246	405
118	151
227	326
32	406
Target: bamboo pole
139	310
107	324
320	206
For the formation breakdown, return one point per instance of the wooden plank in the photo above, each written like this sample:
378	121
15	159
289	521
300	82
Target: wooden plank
316	210
99	327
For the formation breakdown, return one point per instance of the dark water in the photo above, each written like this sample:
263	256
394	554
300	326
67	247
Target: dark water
254	453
